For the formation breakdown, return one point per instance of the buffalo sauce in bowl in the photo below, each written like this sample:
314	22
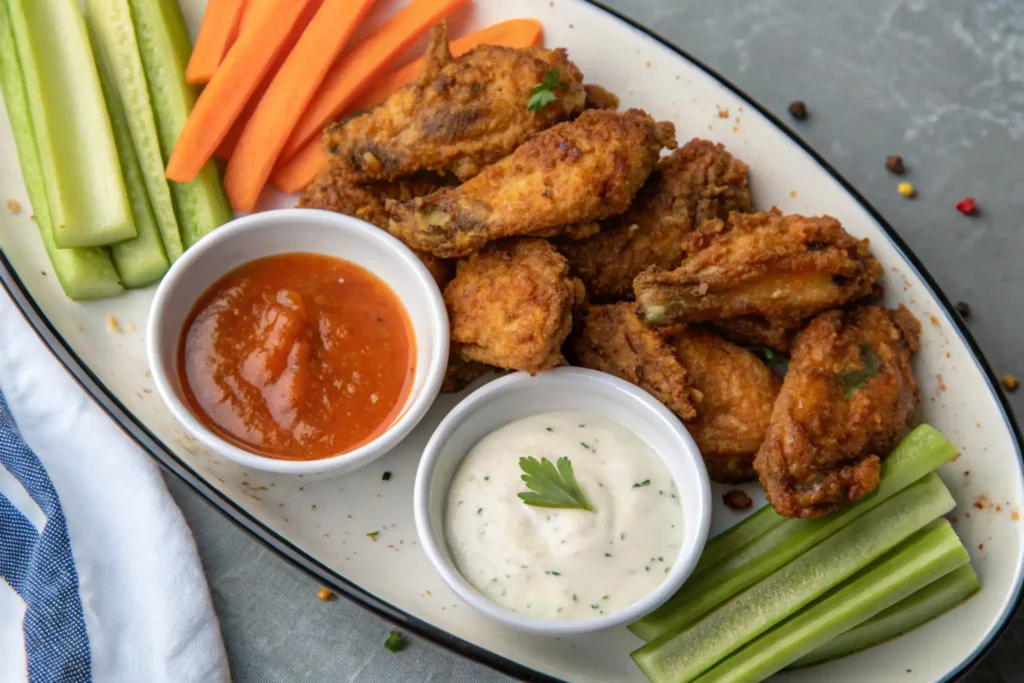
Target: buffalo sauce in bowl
297	356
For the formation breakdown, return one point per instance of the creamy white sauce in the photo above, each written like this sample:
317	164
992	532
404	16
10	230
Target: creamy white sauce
555	563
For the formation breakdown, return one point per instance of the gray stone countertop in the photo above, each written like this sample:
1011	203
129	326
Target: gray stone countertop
940	82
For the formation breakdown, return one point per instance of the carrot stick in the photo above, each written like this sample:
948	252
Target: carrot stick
295	174
254	12
510	33
230	88
216	33
286	98
355	69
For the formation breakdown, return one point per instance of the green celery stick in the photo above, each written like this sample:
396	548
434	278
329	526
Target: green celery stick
925	557
113	39
142	260
84	188
684	653
920	452
931	601
202	205
84	273
736	537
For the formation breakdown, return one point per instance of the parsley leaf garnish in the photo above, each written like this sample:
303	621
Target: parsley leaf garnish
396	642
853	381
544	94
551	486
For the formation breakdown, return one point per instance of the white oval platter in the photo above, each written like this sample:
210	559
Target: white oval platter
321	526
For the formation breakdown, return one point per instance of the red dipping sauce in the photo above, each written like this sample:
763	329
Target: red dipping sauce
297	356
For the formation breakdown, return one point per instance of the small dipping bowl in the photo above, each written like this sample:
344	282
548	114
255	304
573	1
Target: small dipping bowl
576	389
289	231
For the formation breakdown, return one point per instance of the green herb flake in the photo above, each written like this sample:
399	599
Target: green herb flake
853	381
604	597
386	476
574	599
550	429
373	535
645	482
595	606
607	554
544	94
396	642
487	478
586	445
552	486
479	510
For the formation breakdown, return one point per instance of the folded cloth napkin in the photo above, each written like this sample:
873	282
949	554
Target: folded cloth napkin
99	575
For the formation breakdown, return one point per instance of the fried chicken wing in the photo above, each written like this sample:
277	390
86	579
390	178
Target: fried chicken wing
461	373
759	264
613	340
459	116
737	394
847	399
510	305
599	98
699	181
755	330
334	191
575	172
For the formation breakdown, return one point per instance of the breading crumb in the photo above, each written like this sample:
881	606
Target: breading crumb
113	325
737	500
1010	382
325	594
13	206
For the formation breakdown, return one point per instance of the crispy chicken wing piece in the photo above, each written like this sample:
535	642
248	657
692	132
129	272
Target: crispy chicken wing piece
737	394
461	373
575	172
510	305
334	191
599	98
698	181
755	330
459	116
847	399
759	264
613	340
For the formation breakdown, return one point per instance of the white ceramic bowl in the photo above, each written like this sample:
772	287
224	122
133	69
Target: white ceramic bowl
287	231
520	395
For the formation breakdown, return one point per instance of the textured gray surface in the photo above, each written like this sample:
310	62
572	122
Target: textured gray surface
940	82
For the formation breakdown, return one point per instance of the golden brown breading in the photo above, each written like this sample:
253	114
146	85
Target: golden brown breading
599	98
759	264
737	395
334	191
461	373
575	172
459	116
613	340
755	330
699	181
510	305
847	399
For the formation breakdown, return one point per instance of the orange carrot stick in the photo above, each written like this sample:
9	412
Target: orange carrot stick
355	69
297	173
291	90
254	12
216	33
230	88
510	33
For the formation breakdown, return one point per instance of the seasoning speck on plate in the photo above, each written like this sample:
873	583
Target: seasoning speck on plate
963	308
967	206
13	206
798	110
906	189
113	325
1010	382
737	500
324	594
894	164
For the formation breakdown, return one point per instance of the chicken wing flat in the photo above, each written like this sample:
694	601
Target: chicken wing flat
510	305
575	172
847	399
737	394
699	181
613	340
598	97
459	116
755	330
334	191
764	264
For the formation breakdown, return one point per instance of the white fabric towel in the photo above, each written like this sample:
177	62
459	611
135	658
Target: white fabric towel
144	600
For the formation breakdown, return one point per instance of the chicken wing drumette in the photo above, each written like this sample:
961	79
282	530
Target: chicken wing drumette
613	340
737	394
459	116
787	267
699	181
575	172
510	305
757	331
847	399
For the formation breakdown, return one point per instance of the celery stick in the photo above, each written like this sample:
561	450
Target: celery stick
82	273
202	205
920	452
683	653
88	202
931	601
142	260
113	39
736	537
925	557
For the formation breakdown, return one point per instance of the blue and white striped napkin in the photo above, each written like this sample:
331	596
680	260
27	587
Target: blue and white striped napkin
99	575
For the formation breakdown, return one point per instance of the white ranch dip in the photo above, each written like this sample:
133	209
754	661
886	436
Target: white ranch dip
556	563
